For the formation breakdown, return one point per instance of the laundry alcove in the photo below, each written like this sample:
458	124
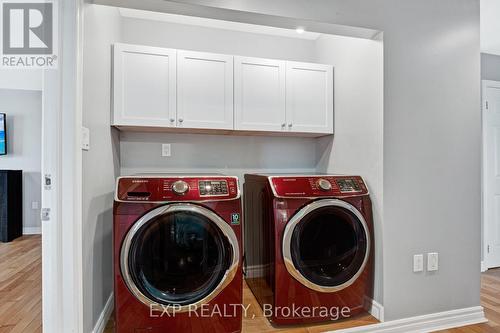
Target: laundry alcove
355	148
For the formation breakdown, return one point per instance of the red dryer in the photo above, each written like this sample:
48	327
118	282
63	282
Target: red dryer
308	245
177	257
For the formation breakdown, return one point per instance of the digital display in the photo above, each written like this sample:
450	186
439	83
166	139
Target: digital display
348	185
3	135
213	187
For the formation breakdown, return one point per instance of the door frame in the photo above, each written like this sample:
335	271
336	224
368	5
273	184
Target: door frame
484	85
62	255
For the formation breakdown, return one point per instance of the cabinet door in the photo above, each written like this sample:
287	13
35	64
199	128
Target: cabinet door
309	97
204	90
144	86
259	94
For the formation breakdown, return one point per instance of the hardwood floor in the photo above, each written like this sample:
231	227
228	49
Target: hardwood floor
490	300
256	322
21	285
261	324
20	297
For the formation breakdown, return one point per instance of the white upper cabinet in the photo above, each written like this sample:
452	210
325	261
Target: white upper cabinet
259	94
204	90
144	86
182	90
309	97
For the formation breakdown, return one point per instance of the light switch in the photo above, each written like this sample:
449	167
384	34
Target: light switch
432	261
35	205
418	263
85	138
166	150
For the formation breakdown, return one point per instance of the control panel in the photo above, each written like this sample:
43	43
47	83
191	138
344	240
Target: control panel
163	189
210	188
317	186
348	185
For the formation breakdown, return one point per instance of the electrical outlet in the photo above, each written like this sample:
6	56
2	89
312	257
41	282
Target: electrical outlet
418	263
166	150
432	261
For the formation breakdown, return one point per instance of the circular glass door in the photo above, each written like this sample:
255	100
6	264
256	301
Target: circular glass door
179	254
326	245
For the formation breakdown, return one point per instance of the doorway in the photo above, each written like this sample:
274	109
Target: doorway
20	202
491	174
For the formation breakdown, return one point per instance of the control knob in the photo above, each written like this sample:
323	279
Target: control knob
324	185
180	187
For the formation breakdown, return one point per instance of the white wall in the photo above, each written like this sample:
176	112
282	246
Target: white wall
490	70
21	79
101	162
357	147
432	132
490	26
231	155
24	135
188	37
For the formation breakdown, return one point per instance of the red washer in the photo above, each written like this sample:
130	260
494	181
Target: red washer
177	254
308	245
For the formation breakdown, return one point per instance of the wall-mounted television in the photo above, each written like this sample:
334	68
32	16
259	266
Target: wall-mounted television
3	135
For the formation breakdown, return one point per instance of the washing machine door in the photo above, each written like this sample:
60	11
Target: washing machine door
179	256
326	245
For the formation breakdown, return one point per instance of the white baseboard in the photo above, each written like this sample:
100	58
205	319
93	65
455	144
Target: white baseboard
426	323
32	230
374	308
100	325
484	267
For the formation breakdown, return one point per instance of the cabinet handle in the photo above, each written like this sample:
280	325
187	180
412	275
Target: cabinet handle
172	120
283	125
290	125
181	120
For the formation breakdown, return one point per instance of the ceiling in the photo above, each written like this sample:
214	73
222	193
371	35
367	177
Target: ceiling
490	26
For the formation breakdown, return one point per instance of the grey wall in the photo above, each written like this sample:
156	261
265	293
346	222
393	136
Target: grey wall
357	147
490	67
431	134
24	135
101	162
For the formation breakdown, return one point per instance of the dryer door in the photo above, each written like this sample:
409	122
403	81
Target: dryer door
179	255
326	245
